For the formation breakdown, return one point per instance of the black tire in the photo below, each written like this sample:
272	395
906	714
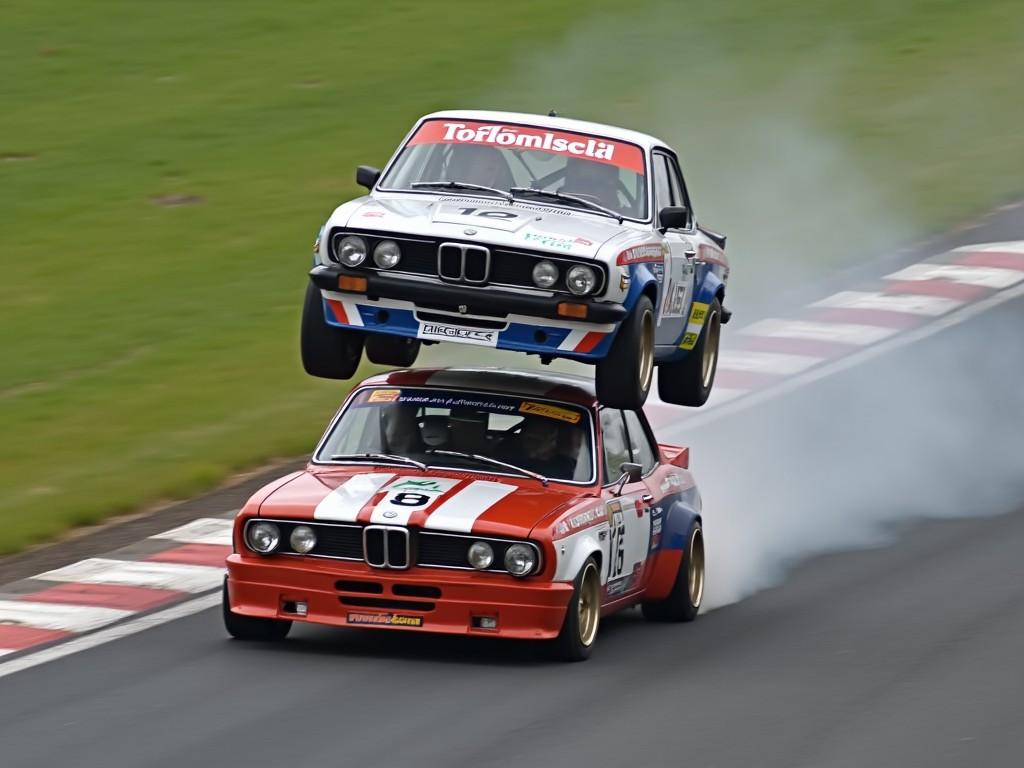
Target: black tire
571	643
624	376
327	351
397	351
683	602
251	628
689	381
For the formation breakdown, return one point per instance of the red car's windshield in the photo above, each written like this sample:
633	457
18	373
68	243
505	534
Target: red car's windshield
552	439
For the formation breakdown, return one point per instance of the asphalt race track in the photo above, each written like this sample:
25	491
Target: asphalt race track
903	651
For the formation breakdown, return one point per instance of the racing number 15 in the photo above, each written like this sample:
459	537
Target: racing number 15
616	547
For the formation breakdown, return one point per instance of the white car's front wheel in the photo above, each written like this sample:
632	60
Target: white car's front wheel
327	351
624	376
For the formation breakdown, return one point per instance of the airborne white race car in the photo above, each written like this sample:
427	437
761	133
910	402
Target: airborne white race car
545	235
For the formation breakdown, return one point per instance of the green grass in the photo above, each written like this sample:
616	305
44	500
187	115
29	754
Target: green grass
148	350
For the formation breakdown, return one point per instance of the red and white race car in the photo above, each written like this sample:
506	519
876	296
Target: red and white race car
469	501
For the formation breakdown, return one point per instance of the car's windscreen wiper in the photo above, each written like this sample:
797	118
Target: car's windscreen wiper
461	185
379	457
568	198
489	460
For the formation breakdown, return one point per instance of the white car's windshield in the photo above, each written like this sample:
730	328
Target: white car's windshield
404	425
500	156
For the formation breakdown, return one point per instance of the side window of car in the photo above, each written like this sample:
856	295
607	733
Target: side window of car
679	196
662	188
644	453
616	445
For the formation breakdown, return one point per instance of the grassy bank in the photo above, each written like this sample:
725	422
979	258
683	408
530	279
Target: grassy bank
164	167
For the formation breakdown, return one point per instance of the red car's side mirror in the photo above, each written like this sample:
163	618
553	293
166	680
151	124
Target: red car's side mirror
675	455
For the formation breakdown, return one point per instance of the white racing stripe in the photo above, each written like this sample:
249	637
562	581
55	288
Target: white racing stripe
460	511
843	333
344	502
570	341
407	495
777	363
907	303
996	278
67	618
205	530
139	573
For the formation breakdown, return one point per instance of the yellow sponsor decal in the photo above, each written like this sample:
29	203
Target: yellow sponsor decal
698	313
550	411
384	395
385	619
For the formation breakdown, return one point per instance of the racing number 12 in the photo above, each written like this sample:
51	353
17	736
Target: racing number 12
488	214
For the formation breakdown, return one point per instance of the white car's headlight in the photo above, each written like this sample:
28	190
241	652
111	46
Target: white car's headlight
581	280
351	250
387	254
303	539
262	537
520	559
480	555
545	274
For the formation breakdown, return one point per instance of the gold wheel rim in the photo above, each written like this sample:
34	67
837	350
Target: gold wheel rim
646	350
695	568
589	605
710	357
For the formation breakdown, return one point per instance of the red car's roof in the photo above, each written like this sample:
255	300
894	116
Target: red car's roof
557	386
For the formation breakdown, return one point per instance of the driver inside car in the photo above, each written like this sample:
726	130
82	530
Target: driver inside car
598	182
537	446
479	165
401	433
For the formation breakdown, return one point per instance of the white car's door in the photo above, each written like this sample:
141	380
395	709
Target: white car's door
677	283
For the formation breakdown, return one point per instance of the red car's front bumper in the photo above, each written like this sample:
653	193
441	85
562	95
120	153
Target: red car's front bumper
346	594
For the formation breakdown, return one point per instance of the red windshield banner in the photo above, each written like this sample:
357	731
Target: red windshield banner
617	153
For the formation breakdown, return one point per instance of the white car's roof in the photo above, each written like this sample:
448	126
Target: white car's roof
555	123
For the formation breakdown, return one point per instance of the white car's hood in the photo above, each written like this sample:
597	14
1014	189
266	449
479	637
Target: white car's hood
521	224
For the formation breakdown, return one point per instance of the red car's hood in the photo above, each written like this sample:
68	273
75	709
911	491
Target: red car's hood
435	500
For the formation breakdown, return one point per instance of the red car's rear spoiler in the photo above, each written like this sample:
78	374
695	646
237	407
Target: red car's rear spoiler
675	455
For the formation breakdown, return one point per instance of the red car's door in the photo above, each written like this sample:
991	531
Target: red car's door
629	536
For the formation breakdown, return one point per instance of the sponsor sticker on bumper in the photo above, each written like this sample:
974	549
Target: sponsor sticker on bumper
440	332
385	619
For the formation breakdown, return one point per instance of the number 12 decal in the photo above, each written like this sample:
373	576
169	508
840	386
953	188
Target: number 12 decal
488	214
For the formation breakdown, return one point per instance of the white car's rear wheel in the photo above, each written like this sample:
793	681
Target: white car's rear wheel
397	351
689	381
